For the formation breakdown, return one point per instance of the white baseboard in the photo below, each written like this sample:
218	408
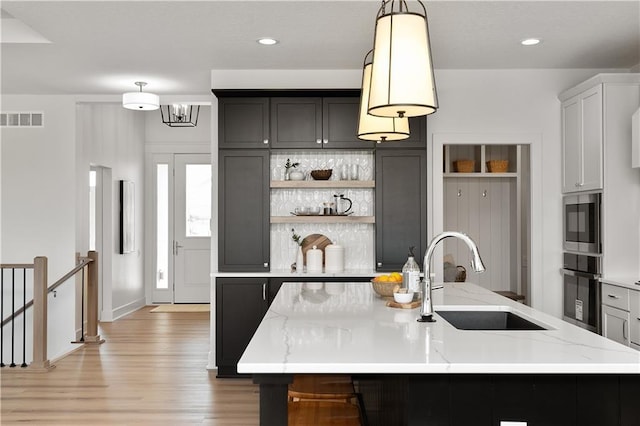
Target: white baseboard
128	308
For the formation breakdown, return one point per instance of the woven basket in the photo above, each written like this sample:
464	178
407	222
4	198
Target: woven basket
497	166
465	166
385	288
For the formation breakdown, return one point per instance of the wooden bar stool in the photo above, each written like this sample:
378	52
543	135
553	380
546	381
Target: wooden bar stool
323	413
336	387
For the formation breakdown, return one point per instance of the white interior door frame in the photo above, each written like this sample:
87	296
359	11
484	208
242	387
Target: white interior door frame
534	141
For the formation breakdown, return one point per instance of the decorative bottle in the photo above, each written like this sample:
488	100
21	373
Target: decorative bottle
411	274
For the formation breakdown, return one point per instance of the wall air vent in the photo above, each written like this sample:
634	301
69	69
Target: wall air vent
21	119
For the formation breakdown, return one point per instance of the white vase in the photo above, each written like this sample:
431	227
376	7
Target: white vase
300	261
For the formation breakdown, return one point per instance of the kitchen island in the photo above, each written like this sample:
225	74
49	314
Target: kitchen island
413	373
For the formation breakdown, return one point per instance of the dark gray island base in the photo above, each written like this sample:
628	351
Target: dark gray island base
414	373
479	399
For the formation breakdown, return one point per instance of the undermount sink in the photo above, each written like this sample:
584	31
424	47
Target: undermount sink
487	319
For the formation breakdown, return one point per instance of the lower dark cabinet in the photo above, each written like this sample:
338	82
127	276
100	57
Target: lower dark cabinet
240	306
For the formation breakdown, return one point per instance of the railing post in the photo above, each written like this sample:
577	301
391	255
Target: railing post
40	360
92	300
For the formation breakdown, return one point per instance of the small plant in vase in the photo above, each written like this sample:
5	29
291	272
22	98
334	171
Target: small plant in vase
287	168
298	265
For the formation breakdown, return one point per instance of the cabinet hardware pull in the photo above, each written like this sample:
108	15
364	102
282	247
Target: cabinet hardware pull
326	141
264	291
484	193
624	329
266	141
265	264
613	296
459	193
318	140
379	264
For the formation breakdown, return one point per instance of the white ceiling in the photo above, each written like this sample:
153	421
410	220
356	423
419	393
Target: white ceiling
102	47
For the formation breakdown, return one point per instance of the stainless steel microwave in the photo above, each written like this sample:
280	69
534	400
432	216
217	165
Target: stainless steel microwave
582	223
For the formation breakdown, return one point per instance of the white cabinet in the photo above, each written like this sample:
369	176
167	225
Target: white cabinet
582	141
596	149
615	324
621	314
634	320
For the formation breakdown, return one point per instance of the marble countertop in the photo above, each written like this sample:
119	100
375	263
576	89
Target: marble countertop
627	282
347	328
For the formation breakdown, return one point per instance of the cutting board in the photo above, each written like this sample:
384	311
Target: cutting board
411	305
318	240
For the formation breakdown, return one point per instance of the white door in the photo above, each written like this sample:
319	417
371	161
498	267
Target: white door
192	228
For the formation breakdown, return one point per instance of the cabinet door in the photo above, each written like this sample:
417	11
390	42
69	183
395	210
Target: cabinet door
615	324
591	139
571	144
634	326
243	233
417	137
243	122
340	123
296	123
240	306
401	206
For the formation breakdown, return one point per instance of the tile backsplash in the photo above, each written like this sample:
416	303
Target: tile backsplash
357	239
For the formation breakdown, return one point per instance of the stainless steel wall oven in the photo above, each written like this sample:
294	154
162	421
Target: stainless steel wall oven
581	282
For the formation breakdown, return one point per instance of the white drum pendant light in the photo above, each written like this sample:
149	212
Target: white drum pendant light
402	82
370	127
140	100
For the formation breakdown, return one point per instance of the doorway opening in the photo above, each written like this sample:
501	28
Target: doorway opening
182	228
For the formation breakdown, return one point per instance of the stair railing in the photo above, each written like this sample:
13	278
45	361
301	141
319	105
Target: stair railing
40	361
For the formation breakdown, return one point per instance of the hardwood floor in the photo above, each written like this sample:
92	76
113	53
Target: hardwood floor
150	370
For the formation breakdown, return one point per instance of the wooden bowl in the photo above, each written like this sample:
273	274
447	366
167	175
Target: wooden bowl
321	174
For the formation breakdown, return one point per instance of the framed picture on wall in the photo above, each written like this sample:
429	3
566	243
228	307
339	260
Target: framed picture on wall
127	217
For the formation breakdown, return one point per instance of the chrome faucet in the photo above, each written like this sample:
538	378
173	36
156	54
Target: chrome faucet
426	313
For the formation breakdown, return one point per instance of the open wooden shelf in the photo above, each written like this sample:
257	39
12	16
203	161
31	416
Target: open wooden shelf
302	184
323	219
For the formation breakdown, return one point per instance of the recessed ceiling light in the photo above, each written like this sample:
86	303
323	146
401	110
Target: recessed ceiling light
267	41
530	41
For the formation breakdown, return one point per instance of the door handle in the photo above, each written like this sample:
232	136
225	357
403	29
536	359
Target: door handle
176	246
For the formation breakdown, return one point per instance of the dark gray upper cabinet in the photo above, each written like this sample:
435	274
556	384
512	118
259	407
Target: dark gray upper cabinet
340	123
243	123
315	122
243	234
296	122
401	206
417	137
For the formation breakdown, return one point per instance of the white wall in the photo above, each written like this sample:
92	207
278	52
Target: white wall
39	202
517	101
111	136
